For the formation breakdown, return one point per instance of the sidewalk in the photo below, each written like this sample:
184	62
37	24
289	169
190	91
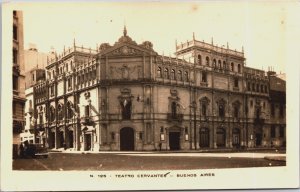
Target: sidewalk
269	154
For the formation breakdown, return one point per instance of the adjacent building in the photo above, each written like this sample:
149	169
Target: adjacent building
126	96
18	76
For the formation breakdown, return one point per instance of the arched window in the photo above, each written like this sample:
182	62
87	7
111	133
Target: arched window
236	111
232	66
159	72
199	60
221	110
257	87
215	63
166	73
253	87
261	88
186	76
173	74
204	109
69	110
52	114
220	64
174	109
224	65
207	61
60	111
239	68
179	75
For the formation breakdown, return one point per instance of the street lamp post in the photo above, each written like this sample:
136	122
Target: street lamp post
194	107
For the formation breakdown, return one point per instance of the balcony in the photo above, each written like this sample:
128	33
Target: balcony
259	121
86	121
175	117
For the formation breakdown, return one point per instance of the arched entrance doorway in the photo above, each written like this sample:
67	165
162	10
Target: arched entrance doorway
204	137
221	137
127	139
236	137
71	138
51	139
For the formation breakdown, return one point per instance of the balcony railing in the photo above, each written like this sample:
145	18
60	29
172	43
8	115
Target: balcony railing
86	121
175	117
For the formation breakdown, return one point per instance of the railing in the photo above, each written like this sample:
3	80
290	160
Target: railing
175	117
86	120
209	46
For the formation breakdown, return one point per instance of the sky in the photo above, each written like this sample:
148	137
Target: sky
261	28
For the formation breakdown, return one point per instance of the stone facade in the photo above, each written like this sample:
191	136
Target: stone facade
127	97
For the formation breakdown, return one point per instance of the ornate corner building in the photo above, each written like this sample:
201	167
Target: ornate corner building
128	97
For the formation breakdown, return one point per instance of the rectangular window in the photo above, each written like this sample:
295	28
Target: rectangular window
15	83
204	77
204	110
15	56
236	82
281	131
273	131
272	110
70	83
87	111
281	111
15	32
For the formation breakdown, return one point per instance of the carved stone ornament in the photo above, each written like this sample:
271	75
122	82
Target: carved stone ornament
125	50
173	92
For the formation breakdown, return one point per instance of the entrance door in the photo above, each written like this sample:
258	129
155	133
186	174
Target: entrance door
236	137
88	142
258	139
71	139
126	139
204	137
61	140
174	140
221	137
52	140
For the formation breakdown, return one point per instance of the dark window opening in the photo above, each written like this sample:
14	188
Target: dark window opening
174	109
204	77
281	111
199	60
232	66
272	110
15	83
204	110
180	75
236	82
87	111
15	56
158	72
186	76
253	87
126	109
173	74
15	32
257	113
207	61
281	131
273	131
239	68
248	87
221	111
236	112
166	73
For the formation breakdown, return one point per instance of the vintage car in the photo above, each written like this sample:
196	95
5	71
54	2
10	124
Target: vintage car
35	150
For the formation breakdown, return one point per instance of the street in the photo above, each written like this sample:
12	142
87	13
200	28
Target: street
145	161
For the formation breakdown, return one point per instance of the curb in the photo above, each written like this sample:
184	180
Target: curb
276	158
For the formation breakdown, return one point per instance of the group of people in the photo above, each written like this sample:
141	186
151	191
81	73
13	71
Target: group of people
24	150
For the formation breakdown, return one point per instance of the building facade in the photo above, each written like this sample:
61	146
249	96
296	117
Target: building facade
18	76
126	96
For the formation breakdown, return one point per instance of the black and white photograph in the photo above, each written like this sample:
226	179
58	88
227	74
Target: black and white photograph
123	95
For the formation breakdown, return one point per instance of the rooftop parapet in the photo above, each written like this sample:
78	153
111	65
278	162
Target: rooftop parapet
211	47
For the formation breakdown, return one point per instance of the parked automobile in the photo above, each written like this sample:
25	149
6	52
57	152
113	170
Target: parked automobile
35	150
